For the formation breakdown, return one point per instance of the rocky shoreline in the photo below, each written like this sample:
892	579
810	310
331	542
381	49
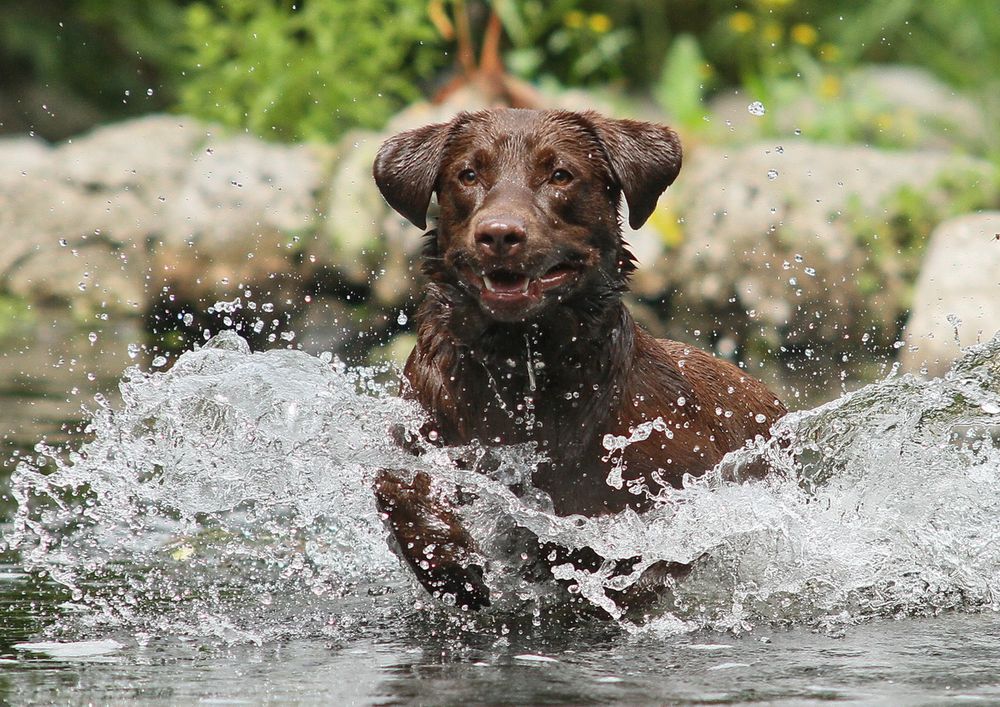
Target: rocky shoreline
763	248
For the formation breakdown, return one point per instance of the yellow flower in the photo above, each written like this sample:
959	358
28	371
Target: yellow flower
574	19
804	34
773	32
829	52
664	222
830	86
741	22
600	23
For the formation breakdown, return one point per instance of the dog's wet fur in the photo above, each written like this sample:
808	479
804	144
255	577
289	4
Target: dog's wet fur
522	335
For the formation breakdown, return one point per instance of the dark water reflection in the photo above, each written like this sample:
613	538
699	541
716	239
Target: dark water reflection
48	374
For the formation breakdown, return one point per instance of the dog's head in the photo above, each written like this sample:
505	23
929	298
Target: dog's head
528	201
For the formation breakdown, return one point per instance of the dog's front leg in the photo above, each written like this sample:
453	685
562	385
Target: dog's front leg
431	539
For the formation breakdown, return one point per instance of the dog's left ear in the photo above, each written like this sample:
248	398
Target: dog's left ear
406	169
645	158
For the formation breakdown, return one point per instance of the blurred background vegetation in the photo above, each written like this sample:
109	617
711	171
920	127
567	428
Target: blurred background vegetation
313	69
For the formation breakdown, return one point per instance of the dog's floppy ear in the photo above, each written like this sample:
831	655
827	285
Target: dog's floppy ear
406	169
645	159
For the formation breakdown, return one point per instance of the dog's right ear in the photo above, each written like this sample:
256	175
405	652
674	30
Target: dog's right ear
406	169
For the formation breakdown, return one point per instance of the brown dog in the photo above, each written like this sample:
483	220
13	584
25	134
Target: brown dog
522	333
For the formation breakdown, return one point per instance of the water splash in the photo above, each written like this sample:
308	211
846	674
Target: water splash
230	497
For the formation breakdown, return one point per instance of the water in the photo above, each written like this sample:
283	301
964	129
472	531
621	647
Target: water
216	538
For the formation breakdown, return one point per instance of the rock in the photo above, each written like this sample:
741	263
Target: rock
353	237
65	245
813	241
237	193
153	201
957	300
23	157
79	218
93	276
146	155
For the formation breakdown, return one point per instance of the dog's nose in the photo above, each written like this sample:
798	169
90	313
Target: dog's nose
499	237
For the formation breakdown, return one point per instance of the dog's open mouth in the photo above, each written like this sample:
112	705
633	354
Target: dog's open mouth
502	286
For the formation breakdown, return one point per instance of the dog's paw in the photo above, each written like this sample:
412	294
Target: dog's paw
432	539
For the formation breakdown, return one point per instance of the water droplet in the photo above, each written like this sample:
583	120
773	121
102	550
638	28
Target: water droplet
756	108
92	336
159	361
149	92
188	319
772	174
133	350
402	319
760	419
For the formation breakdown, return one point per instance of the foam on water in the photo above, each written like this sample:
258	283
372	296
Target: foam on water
231	497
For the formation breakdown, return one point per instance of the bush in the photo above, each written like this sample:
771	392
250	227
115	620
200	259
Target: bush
306	71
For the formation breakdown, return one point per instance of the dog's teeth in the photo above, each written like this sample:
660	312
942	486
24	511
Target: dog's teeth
489	284
524	287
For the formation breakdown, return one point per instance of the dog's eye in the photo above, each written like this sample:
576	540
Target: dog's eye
467	177
561	177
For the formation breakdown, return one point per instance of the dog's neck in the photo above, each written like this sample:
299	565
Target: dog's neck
575	361
582	335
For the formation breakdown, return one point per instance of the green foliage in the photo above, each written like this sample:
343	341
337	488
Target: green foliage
312	69
307	70
559	41
897	236
16	317
682	87
91	59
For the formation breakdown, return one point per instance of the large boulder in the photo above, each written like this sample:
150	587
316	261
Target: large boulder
814	242
78	217
107	220
239	210
957	300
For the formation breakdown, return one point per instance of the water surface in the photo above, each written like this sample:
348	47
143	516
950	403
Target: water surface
210	536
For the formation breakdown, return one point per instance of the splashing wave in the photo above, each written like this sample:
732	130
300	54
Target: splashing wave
230	496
